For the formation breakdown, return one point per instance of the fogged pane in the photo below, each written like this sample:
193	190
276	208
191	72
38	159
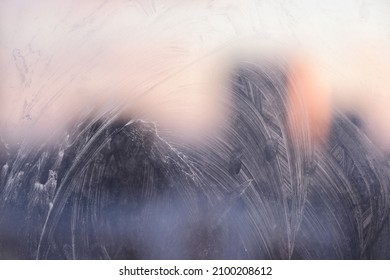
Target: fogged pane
203	129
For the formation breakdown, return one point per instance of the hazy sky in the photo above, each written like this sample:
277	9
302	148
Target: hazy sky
62	58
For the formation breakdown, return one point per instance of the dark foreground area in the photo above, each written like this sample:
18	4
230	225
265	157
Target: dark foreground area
120	190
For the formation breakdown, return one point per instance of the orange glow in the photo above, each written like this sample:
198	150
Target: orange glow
308	104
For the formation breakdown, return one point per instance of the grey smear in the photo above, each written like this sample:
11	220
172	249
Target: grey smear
118	190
